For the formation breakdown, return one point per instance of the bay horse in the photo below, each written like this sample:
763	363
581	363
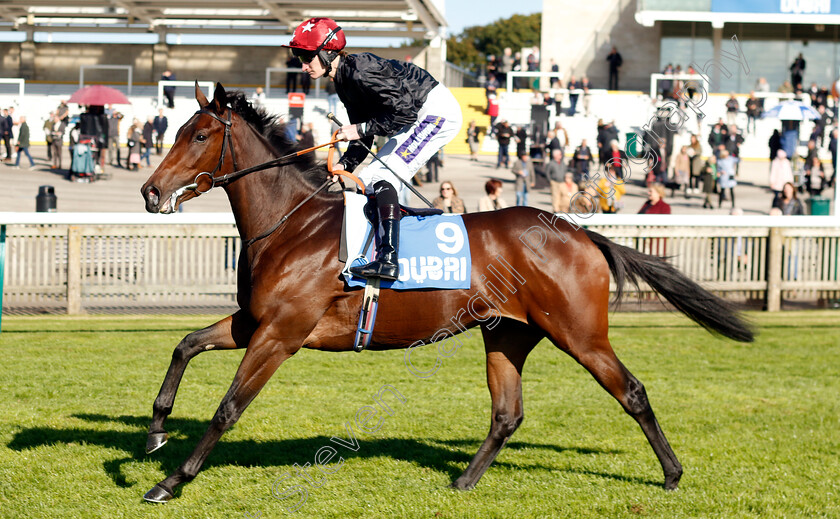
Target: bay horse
291	296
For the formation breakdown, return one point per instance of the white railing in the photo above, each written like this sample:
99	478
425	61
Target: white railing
694	78
269	70
21	83
78	261
209	85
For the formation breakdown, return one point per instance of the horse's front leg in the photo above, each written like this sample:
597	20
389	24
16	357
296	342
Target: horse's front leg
265	354
230	333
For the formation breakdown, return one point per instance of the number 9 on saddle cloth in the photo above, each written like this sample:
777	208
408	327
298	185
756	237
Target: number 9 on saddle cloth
434	249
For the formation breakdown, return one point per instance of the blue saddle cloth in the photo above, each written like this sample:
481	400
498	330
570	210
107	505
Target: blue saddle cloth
434	253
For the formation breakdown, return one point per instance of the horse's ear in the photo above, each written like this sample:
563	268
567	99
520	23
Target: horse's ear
200	97
219	98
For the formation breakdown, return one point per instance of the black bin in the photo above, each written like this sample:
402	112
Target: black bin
45	201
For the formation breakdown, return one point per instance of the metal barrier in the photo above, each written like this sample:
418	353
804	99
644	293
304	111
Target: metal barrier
77	261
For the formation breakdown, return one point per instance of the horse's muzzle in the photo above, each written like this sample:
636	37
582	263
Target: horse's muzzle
152	196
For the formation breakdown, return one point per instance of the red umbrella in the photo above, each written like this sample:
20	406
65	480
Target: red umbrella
98	95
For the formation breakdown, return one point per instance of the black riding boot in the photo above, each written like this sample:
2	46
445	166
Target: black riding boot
386	265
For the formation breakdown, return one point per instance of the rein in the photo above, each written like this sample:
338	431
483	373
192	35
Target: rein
237	173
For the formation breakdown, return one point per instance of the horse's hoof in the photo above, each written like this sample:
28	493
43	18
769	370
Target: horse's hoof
158	494
155	441
672	481
459	485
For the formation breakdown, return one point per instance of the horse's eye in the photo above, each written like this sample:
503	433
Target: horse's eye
200	137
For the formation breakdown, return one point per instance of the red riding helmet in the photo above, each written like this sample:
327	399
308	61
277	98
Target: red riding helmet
317	34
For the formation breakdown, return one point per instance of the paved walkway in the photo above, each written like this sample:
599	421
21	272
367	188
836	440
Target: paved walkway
121	193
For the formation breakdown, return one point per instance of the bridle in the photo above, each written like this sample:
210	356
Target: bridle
227	178
227	142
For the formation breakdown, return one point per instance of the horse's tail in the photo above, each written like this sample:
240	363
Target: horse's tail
708	310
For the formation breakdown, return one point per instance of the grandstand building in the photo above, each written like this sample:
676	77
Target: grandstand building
653	33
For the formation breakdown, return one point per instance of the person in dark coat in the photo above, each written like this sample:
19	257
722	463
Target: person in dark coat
615	61
6	125
148	140
169	91
160	124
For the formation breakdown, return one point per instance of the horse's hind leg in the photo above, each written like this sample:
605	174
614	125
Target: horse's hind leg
231	332
593	351
507	347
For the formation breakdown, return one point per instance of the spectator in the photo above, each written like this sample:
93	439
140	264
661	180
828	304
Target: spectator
503	136
114	138
168	91
23	143
573	85
148	139
820	125
6	125
492	67
448	201
520	136
587	98
491	86
492	111
832	148
555	170
775	144
561	195
160	124
615	61
258	97
753	112
788	203
505	65
293	64
655	203
682	171
582	159
433	167
780	173
695	152
57	134
493	200
726	177
709	179
63	112
48	124
786	87
814	176
133	142
732	107
523	171
472	140
797	70
732	142
610	195
616	158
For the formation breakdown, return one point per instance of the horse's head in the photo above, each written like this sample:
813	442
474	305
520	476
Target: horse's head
185	172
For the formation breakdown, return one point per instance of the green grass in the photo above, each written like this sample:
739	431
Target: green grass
754	425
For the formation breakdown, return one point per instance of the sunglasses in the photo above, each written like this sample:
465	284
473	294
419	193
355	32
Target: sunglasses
446	189
305	56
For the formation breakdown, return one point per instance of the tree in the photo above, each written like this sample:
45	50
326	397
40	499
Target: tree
470	48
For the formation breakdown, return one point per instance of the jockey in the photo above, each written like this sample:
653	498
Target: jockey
386	98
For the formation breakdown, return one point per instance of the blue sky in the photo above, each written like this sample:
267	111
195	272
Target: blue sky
459	14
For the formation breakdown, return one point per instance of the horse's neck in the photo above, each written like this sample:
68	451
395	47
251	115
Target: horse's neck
260	199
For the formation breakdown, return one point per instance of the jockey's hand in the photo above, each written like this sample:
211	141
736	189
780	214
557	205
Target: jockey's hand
338	166
349	132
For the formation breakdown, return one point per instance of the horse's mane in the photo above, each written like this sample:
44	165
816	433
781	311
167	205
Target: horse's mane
273	128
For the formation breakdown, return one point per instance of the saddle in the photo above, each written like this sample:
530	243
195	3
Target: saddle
370	299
